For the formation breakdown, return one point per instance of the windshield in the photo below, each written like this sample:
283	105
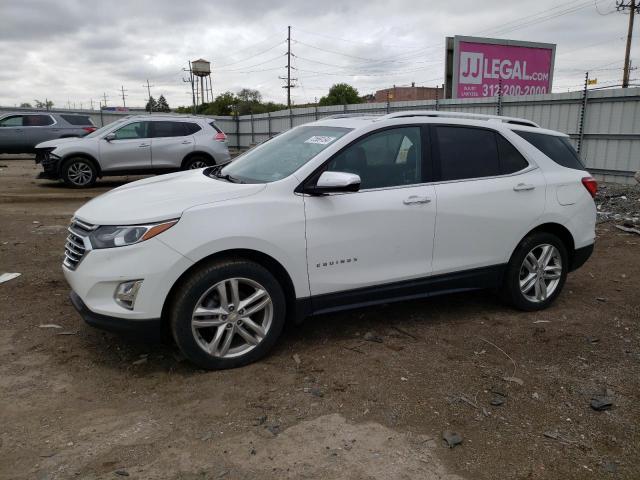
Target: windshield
282	155
100	131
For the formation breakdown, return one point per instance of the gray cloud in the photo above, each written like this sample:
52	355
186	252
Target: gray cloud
74	50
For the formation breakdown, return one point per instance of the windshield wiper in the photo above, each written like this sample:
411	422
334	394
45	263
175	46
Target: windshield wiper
226	177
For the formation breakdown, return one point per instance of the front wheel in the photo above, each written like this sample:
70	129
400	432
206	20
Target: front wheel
228	314
536	272
78	172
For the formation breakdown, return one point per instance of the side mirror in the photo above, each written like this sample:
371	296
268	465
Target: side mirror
110	136
335	182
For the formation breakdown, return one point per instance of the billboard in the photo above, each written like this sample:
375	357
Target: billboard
485	67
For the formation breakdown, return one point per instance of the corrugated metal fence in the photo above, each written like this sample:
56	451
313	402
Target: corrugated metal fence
609	127
606	127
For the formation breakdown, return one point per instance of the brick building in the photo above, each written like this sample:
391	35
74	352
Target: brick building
402	94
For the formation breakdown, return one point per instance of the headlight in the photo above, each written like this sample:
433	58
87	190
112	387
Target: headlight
119	236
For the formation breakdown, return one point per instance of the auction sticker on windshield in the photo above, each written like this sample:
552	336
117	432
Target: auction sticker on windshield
320	140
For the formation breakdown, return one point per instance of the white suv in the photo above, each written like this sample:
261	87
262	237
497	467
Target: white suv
340	213
140	144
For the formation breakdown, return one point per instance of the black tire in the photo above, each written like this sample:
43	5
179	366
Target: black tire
194	288
78	172
197	161
511	289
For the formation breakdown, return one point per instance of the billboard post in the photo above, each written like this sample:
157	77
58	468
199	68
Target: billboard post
488	67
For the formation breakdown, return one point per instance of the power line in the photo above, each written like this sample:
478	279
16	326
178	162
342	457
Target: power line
253	56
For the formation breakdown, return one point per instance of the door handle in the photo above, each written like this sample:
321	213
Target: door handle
414	199
186	142
142	145
523	187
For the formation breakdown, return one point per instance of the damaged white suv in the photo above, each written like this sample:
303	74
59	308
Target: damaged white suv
341	213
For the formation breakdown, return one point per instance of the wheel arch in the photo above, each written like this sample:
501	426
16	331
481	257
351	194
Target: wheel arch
559	231
261	258
84	155
197	153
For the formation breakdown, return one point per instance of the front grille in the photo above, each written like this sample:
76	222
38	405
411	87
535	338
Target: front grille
75	248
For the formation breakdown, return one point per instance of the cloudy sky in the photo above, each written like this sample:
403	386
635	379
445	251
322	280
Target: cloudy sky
77	50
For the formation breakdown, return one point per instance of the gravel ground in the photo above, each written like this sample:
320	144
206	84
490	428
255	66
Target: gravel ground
366	394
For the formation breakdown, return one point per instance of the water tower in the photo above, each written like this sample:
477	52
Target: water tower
202	68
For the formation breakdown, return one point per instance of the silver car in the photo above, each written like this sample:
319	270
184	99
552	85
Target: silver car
139	144
21	132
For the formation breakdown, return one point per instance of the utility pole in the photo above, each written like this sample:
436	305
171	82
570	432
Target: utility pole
149	92
104	97
92	104
288	86
633	7
123	96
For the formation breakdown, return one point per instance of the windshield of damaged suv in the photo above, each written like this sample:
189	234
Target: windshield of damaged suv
282	155
101	130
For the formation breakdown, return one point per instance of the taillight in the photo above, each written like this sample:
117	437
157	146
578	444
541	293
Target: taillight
89	129
220	137
591	185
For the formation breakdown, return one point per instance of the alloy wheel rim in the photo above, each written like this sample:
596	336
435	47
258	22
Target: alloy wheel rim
198	164
232	317
80	173
540	273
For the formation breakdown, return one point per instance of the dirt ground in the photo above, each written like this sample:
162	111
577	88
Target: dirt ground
76	402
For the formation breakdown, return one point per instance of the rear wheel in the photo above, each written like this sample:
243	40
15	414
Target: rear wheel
197	161
78	172
228	314
536	272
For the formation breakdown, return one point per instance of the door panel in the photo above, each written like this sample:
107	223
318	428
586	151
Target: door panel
169	144
479	221
369	238
131	149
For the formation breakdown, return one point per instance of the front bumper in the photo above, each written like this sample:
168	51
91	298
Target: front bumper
148	329
100	271
49	164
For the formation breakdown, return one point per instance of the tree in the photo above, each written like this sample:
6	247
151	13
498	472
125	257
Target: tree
152	105
247	95
25	105
340	94
162	105
47	104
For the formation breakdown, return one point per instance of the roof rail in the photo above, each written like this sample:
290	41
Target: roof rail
470	116
349	115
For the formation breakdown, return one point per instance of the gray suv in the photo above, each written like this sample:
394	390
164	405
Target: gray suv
21	132
141	144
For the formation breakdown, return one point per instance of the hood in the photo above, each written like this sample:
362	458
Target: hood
58	141
161	198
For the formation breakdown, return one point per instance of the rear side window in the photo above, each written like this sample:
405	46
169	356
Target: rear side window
558	149
190	128
466	152
215	127
511	160
80	120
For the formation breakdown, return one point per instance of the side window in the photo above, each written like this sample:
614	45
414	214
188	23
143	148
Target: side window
163	129
78	120
132	131
388	158
511	160
37	120
12	121
466	152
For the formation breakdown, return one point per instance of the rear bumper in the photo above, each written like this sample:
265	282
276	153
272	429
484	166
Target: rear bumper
147	329
580	256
